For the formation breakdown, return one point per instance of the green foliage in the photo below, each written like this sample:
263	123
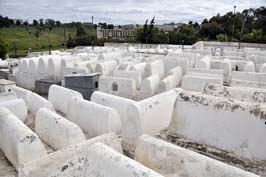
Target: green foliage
3	48
80	31
37	41
222	38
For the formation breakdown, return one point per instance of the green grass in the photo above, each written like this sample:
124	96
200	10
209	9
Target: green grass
24	38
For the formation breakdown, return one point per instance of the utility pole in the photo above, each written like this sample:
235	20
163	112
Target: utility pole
64	36
15	49
233	30
92	19
242	28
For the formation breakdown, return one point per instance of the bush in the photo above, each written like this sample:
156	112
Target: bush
3	49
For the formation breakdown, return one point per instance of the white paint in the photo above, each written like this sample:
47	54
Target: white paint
35	102
154	68
222	123
148	116
21	92
249	67
263	68
19	144
25	80
55	68
246	94
197	83
140	68
177	73
124	87
57	131
129	74
106	68
204	63
17	107
94	119
174	161
74	70
67	162
103	161
167	83
149	86
42	68
60	97
118	103
227	67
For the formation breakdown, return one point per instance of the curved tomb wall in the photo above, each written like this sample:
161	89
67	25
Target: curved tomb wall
94	119
19	144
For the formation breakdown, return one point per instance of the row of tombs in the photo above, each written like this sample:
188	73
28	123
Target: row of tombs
212	100
84	135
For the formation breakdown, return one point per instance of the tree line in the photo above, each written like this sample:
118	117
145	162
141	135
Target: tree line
246	26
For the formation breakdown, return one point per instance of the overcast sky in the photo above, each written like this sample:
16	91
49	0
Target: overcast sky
122	11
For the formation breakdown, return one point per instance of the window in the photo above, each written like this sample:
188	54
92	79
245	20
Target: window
115	87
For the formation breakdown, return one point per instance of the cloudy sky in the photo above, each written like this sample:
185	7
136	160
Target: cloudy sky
122	11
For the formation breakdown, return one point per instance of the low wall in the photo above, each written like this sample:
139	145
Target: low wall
118	103
94	119
174	161
68	161
60	97
124	87
106	68
249	76
197	83
155	68
17	107
149	87
148	116
246	94
102	162
129	74
35	102
19	144
222	123
57	131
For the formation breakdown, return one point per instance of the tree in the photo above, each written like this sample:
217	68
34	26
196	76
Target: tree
50	22
26	23
58	23
37	34
41	22
70	42
80	31
35	22
210	30
3	49
5	22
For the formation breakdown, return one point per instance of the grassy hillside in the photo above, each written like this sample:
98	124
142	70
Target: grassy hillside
25	38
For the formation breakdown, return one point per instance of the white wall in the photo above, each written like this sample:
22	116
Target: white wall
197	83
118	103
94	119
126	87
57	131
67	162
221	123
60	97
246	94
174	161
102	162
17	107
18	143
148	116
